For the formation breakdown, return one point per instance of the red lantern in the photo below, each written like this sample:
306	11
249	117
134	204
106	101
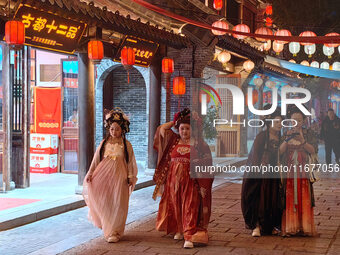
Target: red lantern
269	22
178	85
127	58
15	33
241	28
263	31
220	24
218	4
307	34
255	97
95	50
167	66
269	10
332	44
204	93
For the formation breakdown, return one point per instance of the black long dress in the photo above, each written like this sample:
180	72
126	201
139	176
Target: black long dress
260	197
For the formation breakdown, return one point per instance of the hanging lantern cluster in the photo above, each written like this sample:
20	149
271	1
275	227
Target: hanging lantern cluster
15	33
336	66
310	50
268	14
258	82
167	66
324	65
270	84
95	50
263	31
277	47
315	64
127	58
241	28
294	48
218	4
248	65
304	63
220	24
283	32
178	85
224	57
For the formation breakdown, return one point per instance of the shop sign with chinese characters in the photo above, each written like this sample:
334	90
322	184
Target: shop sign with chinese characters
144	50
48	31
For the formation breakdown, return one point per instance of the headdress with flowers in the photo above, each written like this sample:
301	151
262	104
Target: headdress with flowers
117	115
182	117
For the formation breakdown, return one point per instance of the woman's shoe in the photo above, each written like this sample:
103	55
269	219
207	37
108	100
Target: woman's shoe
178	236
256	232
275	231
188	245
112	239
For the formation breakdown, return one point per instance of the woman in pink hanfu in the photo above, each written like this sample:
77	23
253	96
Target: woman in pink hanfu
111	178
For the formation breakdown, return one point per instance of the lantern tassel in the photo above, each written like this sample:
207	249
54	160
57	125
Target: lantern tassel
128	77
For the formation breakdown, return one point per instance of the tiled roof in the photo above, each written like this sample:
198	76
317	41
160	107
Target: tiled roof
103	18
240	47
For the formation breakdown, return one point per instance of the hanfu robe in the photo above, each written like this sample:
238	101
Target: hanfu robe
107	195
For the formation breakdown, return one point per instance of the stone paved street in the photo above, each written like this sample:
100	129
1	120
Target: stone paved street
227	233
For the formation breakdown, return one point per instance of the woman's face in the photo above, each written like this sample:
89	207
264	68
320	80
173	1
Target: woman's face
115	130
184	131
276	126
298	118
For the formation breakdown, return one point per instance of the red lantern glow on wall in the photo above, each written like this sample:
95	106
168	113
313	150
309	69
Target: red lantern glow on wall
218	4
95	50
178	85
127	58
15	33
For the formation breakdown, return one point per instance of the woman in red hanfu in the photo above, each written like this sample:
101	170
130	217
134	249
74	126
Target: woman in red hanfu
185	206
299	143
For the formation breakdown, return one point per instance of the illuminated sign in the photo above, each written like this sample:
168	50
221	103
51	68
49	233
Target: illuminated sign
49	31
144	50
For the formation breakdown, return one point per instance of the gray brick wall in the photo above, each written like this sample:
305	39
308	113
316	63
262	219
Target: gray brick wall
130	97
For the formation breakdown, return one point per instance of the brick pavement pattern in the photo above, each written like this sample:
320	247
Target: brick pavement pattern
227	233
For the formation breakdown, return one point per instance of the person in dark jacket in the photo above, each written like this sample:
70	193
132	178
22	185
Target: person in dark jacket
330	133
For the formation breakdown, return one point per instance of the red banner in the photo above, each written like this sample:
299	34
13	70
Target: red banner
47	110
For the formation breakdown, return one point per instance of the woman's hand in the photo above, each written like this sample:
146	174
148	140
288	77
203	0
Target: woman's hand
89	178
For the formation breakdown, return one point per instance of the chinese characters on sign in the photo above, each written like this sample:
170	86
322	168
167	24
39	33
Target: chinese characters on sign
46	30
144	50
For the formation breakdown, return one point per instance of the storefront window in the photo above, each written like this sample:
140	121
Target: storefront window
70	115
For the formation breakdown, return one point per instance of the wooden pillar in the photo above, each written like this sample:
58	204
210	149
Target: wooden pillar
154	108
7	116
86	115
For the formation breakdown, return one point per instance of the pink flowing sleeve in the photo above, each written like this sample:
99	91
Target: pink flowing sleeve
132	167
